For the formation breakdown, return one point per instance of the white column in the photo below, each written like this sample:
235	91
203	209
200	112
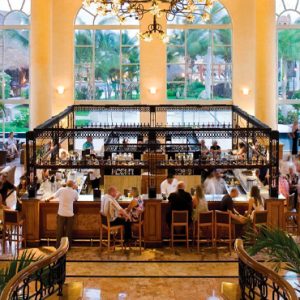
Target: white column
40	62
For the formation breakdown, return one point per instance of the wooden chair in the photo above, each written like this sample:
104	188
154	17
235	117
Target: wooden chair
223	222
115	229
290	202
292	222
137	231
180	219
260	218
205	220
13	228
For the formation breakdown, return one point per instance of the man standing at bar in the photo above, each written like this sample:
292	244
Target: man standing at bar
65	216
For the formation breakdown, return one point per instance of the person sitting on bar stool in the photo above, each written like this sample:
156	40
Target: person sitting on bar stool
168	186
227	205
65	215
180	200
118	215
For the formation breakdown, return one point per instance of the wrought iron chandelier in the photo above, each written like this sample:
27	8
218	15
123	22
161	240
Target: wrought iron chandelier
136	9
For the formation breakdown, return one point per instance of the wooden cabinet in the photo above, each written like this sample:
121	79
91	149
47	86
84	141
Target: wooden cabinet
31	212
152	223
275	208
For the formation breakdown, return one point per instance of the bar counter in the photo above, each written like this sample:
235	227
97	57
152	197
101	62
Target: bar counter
42	216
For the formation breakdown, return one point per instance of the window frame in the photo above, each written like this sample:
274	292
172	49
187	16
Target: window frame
211	27
3	28
109	27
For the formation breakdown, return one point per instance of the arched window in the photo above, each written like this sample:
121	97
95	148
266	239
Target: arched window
14	64
107	57
288	66
199	60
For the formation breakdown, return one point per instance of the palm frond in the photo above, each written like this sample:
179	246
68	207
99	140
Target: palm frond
279	247
16	265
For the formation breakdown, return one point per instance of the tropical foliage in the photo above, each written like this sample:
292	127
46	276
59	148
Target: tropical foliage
14	266
279	247
199	60
107	65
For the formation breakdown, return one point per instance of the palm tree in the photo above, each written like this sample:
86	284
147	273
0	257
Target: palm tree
3	115
288	50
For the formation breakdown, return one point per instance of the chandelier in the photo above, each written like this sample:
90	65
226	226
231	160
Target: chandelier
136	9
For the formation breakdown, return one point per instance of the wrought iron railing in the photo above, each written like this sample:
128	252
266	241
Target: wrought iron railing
41	278
259	282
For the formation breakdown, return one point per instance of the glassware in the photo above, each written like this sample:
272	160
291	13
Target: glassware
122	296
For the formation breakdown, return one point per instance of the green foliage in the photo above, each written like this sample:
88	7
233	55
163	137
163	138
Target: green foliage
21	119
15	265
289	118
81	93
7	80
279	247
194	89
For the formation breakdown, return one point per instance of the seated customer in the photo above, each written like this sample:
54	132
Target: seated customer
168	186
199	202
255	202
12	144
180	200
227	205
118	216
136	206
6	188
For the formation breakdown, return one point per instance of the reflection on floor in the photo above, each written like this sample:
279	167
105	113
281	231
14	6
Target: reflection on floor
155	274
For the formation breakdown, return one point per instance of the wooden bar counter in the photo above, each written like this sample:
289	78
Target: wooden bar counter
41	218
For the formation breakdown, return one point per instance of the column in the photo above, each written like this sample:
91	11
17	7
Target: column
40	67
266	74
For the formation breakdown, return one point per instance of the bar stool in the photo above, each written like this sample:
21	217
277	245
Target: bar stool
180	218
137	230
205	220
260	218
223	221
292	222
115	229
13	228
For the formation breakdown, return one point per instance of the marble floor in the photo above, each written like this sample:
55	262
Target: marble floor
154	274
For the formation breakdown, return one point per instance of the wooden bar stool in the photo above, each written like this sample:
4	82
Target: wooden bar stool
13	228
205	220
115	229
180	219
223	223
260	218
137	231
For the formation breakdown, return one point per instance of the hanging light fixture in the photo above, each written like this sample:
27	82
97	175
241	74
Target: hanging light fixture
136	9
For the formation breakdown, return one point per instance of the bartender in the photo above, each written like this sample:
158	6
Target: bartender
88	145
168	186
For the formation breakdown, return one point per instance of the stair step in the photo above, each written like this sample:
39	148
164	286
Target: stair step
71	291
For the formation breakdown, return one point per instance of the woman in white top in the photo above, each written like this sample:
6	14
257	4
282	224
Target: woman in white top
199	202
255	202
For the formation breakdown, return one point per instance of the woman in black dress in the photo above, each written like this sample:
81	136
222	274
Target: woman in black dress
294	136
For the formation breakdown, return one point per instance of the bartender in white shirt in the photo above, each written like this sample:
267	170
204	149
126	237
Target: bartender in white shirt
168	186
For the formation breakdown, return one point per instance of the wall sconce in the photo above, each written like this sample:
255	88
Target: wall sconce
152	90
60	89
245	91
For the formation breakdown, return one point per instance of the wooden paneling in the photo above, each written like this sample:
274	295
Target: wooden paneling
275	209
152	223
122	182
30	210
